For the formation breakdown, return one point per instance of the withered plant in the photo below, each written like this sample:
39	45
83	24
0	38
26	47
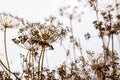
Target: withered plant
38	37
107	23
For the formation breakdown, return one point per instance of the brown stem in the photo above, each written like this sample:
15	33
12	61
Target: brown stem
29	65
97	9
39	64
80	48
71	29
112	44
33	64
6	55
118	39
42	60
108	42
113	56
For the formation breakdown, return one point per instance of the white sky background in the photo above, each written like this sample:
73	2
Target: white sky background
30	9
35	10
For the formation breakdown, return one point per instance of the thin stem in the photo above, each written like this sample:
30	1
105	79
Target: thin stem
29	65
112	44
39	64
101	33
80	48
118	39
9	70
42	60
97	9
99	27
113	58
108	42
6	55
25	60
33	64
71	29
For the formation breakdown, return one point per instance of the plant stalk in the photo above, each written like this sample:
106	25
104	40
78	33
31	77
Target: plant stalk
5	48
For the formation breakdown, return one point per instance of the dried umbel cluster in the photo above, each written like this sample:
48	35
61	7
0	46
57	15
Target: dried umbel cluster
7	20
71	12
40	34
107	19
103	68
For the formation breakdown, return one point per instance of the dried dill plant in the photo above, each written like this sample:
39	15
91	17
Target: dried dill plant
36	38
72	13
107	66
8	21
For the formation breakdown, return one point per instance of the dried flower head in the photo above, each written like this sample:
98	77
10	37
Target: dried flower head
8	21
52	30
71	12
40	34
